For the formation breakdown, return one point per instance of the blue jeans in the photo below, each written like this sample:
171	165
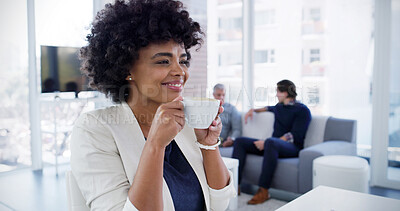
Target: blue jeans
274	148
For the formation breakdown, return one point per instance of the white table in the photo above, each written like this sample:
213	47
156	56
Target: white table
332	199
233	165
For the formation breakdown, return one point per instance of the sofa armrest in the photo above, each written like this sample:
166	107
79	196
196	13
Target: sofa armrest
307	156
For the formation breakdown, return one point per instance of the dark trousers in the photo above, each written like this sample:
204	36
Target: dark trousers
274	148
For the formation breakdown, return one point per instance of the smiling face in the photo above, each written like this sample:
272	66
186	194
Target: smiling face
160	73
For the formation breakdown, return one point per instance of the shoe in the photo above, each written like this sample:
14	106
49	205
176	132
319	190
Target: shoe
261	196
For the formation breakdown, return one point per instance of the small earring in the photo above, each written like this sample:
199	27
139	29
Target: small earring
130	78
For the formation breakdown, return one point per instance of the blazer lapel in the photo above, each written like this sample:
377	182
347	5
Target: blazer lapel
130	143
186	141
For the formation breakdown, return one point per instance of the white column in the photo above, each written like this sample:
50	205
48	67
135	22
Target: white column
248	54
34	106
380	96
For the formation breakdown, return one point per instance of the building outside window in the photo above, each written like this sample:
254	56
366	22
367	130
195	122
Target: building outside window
314	55
315	14
229	28
230	23
272	56
224	40
304	53
313	95
264	56
266	17
231	58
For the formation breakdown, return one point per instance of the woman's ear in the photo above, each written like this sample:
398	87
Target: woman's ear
129	78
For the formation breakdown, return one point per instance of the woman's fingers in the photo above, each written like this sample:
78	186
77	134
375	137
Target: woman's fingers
178	113
220	110
180	121
215	124
179	98
174	105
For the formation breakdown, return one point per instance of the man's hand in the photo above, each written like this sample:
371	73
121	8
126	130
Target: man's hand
228	142
283	138
259	144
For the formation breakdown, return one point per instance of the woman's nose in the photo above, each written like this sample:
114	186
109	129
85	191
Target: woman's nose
177	69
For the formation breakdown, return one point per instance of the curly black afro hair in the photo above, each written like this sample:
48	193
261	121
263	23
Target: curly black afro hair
121	29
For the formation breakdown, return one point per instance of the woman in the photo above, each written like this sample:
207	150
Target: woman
139	155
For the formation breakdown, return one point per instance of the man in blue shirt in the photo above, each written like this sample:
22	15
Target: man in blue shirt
291	122
230	118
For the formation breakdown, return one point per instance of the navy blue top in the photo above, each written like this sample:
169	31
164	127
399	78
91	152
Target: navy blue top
182	182
293	118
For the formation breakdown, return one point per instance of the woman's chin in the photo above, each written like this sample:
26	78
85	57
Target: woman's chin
172	97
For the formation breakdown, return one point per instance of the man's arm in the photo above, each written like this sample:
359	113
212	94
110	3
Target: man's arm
300	125
258	110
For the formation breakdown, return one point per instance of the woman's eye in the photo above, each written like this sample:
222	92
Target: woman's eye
163	62
185	62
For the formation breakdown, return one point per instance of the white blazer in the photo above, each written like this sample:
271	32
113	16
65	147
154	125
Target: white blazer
106	145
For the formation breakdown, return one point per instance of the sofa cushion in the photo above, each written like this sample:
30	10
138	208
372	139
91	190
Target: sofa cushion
315	131
341	129
226	151
285	175
286	170
260	127
252	169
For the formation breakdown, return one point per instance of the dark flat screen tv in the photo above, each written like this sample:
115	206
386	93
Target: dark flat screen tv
60	70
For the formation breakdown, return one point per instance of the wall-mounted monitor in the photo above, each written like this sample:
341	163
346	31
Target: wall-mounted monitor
60	70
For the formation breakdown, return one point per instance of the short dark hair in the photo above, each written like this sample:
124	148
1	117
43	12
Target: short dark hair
121	29
287	86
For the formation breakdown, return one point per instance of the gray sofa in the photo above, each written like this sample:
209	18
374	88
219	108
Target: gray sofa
325	136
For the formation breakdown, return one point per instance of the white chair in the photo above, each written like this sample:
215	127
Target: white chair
76	202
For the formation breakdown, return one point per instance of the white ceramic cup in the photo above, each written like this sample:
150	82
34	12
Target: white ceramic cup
200	112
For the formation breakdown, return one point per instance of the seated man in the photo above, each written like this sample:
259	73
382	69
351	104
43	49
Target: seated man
231	119
291	122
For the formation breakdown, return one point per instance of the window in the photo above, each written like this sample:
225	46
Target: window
272	56
15	148
57	26
261	56
230	28
222	2
224	41
264	56
301	52
230	23
312	95
266	17
314	55
229	58
315	14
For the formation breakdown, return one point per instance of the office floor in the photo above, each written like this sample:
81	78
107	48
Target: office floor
43	190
